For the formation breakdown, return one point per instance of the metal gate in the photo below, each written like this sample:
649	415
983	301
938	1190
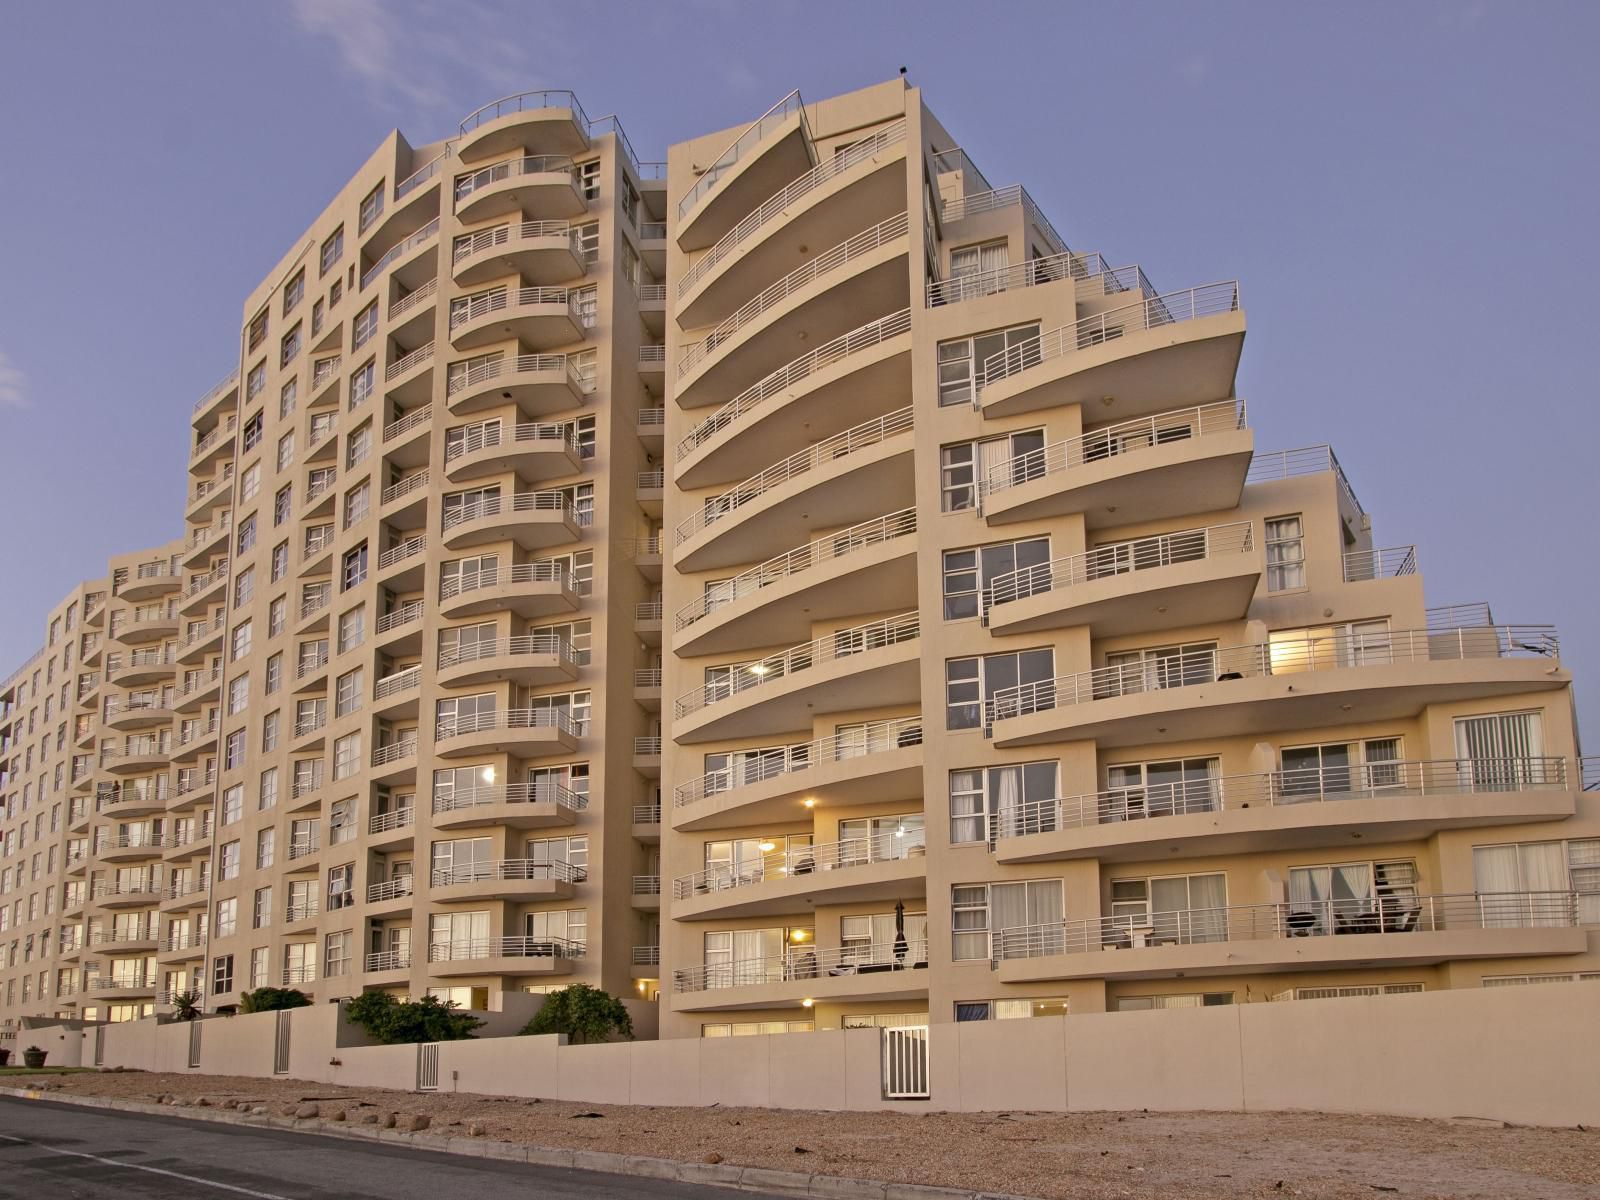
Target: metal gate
99	1045
280	1045
905	1062
428	1067
194	1043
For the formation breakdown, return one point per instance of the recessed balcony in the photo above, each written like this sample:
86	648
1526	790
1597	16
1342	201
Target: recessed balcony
523	879
834	292
871	666
395	762
525	732
214	444
877	762
192	743
535	451
1192	577
182	848
409	378
205	542
537	187
650	426
771	151
129	942
1387	802
1286	684
541	317
209	495
645	826
185	895
652	299
404	503
647	622
647	755
533	589
399	631
128	847
538	384
191	788
117	988
1154	468
837	481
392	828
390	895
513	805
876	869
647	688
859	973
858	374
402	564
390	966
528	659
405	439
1182	347
547	120
398	694
866	568
181	948
505	956
533	520
410	269
541	252
203	590
137	712
202	640
1388	931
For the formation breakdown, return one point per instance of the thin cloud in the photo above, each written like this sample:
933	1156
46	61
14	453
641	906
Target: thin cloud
13	393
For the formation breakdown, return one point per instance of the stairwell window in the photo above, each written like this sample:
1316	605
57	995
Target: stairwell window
1286	553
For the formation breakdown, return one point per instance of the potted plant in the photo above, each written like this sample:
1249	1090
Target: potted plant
33	1058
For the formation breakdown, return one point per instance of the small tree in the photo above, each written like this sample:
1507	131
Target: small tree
268	999
395	1022
186	1005
583	1013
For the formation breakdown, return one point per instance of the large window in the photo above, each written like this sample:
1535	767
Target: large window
1524	883
971	683
964	467
961	361
1504	751
979	910
1169	909
1355	897
1159	789
967	573
983	800
1286	553
1339	768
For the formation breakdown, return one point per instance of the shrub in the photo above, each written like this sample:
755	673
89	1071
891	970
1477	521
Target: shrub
186	1005
268	999
395	1022
583	1013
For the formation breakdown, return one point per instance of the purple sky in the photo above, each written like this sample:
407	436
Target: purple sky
1407	194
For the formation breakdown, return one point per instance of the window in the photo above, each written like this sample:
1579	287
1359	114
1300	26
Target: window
247	533
244	587
238	694
258	329
586	300
252	431
261	907
277	616
589	241
1286	554
283	506
353	568
977	911
361	382
339	892
348	693
274	673
961	361
332	251
358	446
228	861
222	974
1169	909
336	953
1007	1010
970	573
971	685
366	324
285	450
1504	751
357	502
1526	883
988	261
1152	668
289	347
352	628
250	483
227	919
269	788
233	751
294	291
571	924
269	732
371	208
239	641
589	178
966	467
319	313
1339	769
1317	648
1181	1000
347	755
985	800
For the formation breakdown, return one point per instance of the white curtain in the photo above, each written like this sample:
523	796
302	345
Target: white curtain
1009	795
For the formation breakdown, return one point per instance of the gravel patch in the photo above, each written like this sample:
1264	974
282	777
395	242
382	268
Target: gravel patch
1080	1156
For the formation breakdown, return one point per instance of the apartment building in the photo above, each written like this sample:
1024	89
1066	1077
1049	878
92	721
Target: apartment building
1008	676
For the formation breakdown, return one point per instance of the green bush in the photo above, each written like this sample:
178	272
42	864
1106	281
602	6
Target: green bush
186	1005
395	1022
269	999
583	1013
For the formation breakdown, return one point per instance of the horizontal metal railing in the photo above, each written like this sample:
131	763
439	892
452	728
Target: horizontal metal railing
651	293
647	610
786	377
533	792
1268	465
805	962
996	199
389	889
393	752
1125	437
132	886
406	613
780	202
1398	914
516	168
503	235
652	355
304	846
647	745
395	818
742	145
404	487
427	171
647	677
228	383
646	956
651	418
841	644
387	960
1280	657
411	300
1589	772
201	582
547	645
521	502
1120	558
646	885
493	369
882	529
648	481
1390	563
400	551
873	737
1150	313
857	438
512	718
527	102
312	662
314	600
400	681
304	910
647	814
528	436
505	947
404	363
1389	781
531	572
407	423
863	243
504	299
802	860
399	249
1052	269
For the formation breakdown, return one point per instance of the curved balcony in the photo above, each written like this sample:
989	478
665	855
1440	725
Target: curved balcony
828	388
881	971
524	879
214	444
137	630
533	520
1387	802
123	943
150	581
819	208
865	667
504	956
1174	464
830	294
141	667
535	451
129	713
533	589
881	761
189	745
536	186
538	384
136	761
514	805
548	119
775	147
525	732
1193	577
529	659
204	589
541	252
865	568
205	542
837	481
196	844
138	798
1181	347
128	847
138	893
398	694
873	869
541	317
1285	684
1295	936
209	495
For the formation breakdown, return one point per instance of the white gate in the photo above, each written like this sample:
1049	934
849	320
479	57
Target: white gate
280	1044
905	1062
194	1043
99	1045
428	1067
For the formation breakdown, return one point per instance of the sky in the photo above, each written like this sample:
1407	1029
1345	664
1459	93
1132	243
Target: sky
1406	193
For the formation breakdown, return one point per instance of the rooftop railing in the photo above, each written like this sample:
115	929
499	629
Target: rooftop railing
427	171
806	962
526	102
996	199
742	145
974	284
802	860
1390	563
223	386
873	737
1266	466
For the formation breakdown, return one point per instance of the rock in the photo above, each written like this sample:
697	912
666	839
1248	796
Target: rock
801	1150
336	1115
388	1121
288	1109
477	1129
576	1116
713	1158
370	1118
230	1104
305	1111
202	1102
415	1122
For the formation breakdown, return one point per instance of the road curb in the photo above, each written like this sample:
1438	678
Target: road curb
728	1175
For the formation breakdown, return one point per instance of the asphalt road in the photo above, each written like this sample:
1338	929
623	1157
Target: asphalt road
57	1150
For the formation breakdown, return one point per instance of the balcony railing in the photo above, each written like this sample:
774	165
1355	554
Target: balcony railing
406	613
502	235
304	846
1266	466
492	369
647	814
526	436
389	889
394	752
547	645
1126	437
780	202
505	947
1119	558
539	792
298	975
647	746
858	438
511	718
424	173
526	102
400	551
1363	565
1293	919
647	610
312	662
487	577
521	502
803	558
404	487
974	284
647	956
647	677
509	868
650	481
427	233
502	299
400	681
803	860
1279	657
806	962
201	582
863	243
303	910
875	737
785	378
533	164
388	960
653	356
742	145
405	424
652	418
1391	782
227	384
997	199
404	363
387	822
843	643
